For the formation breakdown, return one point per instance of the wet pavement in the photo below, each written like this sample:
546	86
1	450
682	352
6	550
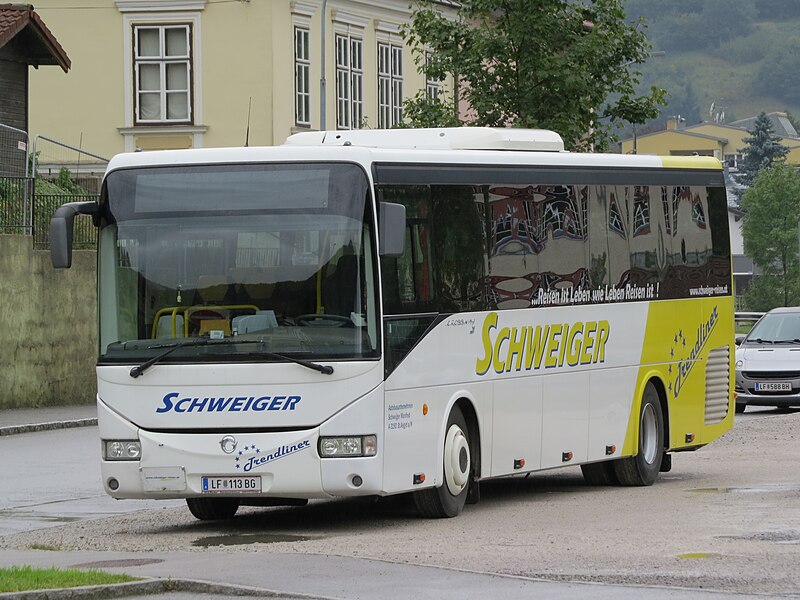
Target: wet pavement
52	477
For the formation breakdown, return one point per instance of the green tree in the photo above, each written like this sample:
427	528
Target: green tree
762	150
779	74
566	65
681	26
770	234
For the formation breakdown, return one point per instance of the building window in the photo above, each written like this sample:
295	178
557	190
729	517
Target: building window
431	84
349	82
641	210
732	160
615	218
390	85
698	214
302	77
162	72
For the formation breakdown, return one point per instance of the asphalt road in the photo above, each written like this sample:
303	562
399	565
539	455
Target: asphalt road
725	520
53	477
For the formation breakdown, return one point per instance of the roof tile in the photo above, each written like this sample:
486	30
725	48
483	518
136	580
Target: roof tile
15	18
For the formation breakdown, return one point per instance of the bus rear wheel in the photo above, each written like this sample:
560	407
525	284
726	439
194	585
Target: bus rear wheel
448	499
642	469
213	509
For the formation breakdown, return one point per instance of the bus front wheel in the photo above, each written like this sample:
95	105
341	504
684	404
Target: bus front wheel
213	509
448	499
643	468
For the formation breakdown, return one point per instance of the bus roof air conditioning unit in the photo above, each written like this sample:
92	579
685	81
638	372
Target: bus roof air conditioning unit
446	138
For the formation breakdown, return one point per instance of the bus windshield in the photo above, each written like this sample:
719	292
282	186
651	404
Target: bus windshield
277	256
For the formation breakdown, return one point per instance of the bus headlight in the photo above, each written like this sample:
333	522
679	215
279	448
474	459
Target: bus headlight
348	446
122	450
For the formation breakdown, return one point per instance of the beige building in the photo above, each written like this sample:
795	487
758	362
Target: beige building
723	141
164	74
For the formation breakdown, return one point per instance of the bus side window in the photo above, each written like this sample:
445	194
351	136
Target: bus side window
409	279
459	247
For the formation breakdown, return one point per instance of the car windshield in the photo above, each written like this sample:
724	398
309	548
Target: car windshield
278	254
775	328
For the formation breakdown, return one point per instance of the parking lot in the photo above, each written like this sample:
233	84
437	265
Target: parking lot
726	518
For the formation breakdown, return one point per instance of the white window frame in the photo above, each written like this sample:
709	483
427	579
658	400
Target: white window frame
735	158
302	76
349	81
162	60
161	12
390	84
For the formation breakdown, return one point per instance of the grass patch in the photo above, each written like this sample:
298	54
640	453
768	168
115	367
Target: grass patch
20	579
44	547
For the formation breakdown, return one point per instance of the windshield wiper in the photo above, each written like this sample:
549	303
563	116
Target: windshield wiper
325	369
794	341
760	341
171	347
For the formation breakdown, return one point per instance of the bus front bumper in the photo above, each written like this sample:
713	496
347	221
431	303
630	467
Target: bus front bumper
246	465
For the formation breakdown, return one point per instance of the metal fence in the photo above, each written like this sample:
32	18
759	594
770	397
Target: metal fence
15	188
64	174
35	180
84	236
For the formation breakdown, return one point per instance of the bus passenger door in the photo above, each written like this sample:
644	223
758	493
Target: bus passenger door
565	418
517	424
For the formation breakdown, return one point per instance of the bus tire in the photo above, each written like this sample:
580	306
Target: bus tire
643	468
213	509
448	499
600	473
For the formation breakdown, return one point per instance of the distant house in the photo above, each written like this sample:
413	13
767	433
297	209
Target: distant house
743	267
24	41
724	141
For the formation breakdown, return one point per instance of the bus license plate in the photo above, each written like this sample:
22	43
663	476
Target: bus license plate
228	485
773	386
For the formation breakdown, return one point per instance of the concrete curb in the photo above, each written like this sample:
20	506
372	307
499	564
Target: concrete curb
31	427
154	586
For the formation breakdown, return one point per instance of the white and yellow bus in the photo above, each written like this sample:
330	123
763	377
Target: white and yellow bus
378	312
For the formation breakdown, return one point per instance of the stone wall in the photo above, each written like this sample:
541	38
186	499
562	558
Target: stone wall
48	327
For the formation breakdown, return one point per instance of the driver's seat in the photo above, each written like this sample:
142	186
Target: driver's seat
342	286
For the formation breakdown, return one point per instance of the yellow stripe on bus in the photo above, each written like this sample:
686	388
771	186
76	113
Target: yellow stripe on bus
690	162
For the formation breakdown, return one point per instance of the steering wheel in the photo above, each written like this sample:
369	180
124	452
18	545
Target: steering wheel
323	320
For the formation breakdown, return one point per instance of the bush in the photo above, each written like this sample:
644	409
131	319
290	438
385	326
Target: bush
748	49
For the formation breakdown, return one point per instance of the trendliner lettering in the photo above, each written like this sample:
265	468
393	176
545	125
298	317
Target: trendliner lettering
257	461
686	365
223	404
552	345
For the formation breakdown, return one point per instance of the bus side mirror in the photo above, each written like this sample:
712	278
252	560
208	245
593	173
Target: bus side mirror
61	226
392	229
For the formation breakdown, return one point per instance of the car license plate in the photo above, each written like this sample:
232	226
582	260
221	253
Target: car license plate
228	485
773	386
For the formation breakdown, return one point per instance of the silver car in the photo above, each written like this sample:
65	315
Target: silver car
768	361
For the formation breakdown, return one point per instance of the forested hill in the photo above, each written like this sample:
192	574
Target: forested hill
741	55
